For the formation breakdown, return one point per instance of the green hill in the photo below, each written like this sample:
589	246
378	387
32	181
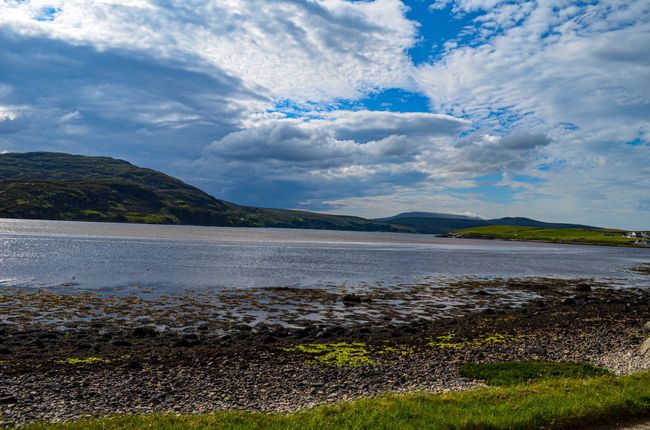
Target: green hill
44	185
438	223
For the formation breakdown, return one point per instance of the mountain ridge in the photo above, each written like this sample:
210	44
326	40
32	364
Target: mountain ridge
424	215
60	186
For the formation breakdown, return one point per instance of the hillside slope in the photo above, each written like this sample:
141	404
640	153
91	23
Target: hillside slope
44	185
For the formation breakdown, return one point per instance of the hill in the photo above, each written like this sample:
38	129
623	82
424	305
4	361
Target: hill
437	215
434	223
56	186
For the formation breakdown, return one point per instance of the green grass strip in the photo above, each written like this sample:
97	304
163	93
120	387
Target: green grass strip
520	372
553	404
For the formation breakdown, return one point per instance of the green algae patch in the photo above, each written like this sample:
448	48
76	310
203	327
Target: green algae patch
86	360
450	340
336	354
349	353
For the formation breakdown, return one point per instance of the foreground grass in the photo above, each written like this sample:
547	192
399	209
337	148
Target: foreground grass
562	235
555	403
521	372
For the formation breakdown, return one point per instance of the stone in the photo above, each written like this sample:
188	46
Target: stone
145	331
133	364
646	327
583	287
351	299
121	342
645	347
8	400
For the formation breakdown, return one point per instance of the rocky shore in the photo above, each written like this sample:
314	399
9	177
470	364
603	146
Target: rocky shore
65	356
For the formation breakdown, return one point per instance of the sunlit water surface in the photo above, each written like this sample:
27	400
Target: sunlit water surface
127	257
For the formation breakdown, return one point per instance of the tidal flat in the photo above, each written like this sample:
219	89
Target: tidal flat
64	356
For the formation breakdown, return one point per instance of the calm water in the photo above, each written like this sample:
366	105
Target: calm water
118	257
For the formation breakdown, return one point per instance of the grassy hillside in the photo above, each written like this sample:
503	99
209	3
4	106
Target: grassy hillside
552	404
558	235
42	185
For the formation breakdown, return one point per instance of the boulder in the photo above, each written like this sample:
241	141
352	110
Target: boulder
350	299
145	331
645	347
646	327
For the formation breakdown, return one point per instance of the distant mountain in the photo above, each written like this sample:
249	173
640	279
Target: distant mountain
438	215
56	186
435	223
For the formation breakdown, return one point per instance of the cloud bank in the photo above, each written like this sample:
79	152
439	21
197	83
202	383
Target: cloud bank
535	108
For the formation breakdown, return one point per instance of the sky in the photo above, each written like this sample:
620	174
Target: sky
484	107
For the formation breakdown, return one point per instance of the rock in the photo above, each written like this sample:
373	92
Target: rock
48	335
583	287
569	301
645	347
351	299
133	364
8	400
536	350
184	343
646	327
122	342
145	331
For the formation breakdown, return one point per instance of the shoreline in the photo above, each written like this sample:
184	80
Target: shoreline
114	366
558	242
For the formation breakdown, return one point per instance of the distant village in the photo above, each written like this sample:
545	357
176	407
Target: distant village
640	237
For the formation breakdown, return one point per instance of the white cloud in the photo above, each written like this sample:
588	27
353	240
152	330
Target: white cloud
70	116
300	50
576	73
357	154
7	114
194	89
340	138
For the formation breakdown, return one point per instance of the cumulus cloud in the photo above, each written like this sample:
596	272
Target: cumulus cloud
7	114
349	154
577	73
538	89
341	137
114	102
300	50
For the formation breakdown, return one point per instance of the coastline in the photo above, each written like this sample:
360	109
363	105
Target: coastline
560	242
113	365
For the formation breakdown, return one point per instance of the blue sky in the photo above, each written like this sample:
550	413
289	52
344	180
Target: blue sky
487	107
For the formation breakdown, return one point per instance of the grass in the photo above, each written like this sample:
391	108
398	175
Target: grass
521	372
554	403
560	235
